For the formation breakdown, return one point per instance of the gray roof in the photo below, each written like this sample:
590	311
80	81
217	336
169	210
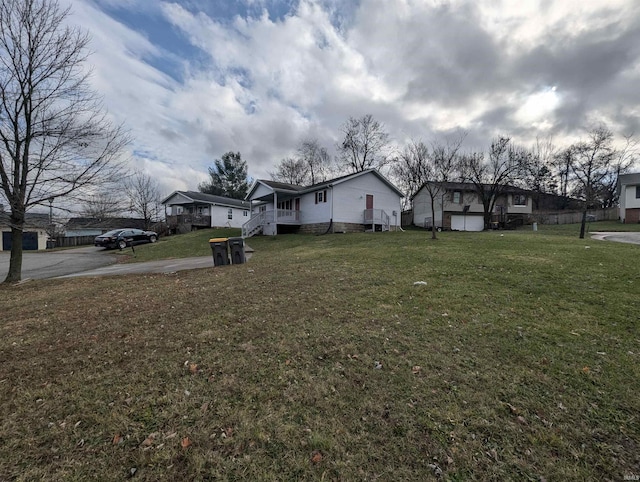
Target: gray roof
105	223
38	220
315	187
631	178
282	185
210	199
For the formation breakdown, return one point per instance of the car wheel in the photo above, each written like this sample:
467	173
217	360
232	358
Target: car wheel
153	239
122	244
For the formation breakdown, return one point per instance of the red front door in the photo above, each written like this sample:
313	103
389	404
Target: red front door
369	201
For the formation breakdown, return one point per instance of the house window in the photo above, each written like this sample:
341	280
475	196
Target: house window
321	196
230	213
519	199
637	192
245	213
457	197
285	205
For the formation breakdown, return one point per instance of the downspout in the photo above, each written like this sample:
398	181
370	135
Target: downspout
331	218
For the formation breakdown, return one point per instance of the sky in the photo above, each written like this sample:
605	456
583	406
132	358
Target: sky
193	79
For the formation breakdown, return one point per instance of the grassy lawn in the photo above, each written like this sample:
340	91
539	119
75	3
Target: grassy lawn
320	359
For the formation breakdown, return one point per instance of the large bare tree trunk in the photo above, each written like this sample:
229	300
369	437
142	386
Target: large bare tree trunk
55	139
15	261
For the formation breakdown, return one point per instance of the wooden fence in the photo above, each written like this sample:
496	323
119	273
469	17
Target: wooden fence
571	217
66	242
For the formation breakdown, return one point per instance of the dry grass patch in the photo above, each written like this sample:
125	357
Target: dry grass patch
320	359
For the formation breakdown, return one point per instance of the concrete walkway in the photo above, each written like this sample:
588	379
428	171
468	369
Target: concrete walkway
620	237
161	266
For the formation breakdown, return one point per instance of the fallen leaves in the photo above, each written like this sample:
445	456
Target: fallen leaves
316	457
185	443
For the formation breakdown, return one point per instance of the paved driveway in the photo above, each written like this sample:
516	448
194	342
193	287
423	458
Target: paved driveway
50	264
633	238
92	261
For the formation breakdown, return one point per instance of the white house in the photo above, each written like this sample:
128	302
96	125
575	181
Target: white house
458	207
190	210
629	191
353	203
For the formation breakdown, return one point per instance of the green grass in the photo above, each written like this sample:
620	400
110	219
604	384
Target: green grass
195	243
517	361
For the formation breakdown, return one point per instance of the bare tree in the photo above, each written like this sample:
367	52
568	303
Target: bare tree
291	171
421	167
625	158
592	162
144	195
537	175
491	176
364	145
105	204
316	159
54	136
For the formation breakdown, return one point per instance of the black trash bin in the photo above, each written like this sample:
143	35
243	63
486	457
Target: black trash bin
236	246
220	251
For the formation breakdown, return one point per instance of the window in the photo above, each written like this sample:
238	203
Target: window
285	205
457	197
230	213
245	213
637	192
519	200
321	196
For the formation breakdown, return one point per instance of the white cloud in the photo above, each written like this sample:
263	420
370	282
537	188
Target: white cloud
260	84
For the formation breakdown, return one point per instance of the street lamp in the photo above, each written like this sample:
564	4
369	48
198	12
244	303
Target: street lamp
51	211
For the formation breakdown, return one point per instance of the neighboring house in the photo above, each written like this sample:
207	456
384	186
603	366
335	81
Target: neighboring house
458	207
356	202
629	191
34	235
191	210
76	227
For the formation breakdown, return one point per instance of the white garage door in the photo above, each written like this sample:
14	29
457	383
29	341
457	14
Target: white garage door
461	222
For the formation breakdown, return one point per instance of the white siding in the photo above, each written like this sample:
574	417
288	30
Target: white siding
261	190
311	213
349	199
630	200
219	217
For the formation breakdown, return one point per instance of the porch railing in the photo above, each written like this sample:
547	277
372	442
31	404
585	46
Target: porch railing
193	219
288	216
377	217
254	225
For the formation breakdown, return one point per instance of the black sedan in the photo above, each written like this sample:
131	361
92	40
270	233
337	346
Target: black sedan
121	238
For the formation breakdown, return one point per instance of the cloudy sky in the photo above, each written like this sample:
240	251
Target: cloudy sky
193	79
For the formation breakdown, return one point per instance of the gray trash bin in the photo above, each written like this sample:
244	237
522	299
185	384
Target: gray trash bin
220	251
236	246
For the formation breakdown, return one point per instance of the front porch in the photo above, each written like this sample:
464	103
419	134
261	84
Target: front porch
183	223
271	222
267	221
